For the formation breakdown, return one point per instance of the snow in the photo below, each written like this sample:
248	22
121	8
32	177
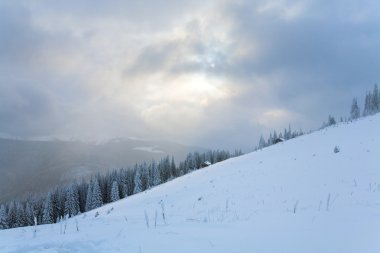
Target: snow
150	149
207	163
295	196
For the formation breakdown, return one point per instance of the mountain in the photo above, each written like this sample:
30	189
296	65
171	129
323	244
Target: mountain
36	166
315	193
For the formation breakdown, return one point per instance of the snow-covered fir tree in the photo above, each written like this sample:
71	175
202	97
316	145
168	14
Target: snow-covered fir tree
331	121
21	215
144	176
137	181
128	181
3	217
355	111
262	143
115	192
71	202
270	140
82	194
367	104
29	214
12	215
375	100
96	198
89	197
48	215
154	176
372	102
189	162
164	167
173	168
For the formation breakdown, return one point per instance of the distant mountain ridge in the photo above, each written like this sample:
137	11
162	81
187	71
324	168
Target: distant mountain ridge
36	166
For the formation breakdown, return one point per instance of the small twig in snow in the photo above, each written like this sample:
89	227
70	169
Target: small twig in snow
155	219
295	207
146	219
35	227
76	223
328	202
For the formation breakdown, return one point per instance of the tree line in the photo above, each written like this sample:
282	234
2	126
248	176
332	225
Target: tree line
273	136
371	106
76	198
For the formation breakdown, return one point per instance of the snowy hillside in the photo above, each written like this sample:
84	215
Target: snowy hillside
296	196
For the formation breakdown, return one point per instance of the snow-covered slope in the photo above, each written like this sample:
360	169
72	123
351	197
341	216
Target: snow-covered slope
297	196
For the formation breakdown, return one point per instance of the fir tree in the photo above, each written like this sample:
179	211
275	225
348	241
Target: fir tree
89	197
154	177
189	163
128	181
270	140
3	217
367	104
29	213
96	198
115	192
48	216
82	193
164	167
12	215
289	133
355	111
375	100
173	169
71	202
144	176
331	121
137	181
262	143
21	215
58	203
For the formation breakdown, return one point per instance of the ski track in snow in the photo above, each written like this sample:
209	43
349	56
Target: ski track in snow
296	196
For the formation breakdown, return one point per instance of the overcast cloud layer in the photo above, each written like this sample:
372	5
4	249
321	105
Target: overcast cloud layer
210	73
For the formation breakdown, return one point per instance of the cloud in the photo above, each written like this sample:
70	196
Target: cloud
202	72
303	48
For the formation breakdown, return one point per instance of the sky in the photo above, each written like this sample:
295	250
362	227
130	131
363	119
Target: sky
211	73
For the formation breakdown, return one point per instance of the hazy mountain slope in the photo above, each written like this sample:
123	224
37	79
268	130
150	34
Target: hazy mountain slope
36	166
297	196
